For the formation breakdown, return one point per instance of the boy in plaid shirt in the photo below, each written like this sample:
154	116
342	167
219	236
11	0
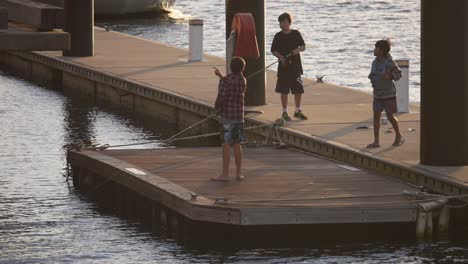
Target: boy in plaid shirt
230	104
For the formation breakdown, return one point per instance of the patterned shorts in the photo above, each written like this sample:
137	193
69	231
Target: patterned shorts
233	133
389	105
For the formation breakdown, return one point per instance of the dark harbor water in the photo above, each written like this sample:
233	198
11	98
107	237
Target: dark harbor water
43	220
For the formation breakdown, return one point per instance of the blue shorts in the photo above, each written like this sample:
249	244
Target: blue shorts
234	133
389	105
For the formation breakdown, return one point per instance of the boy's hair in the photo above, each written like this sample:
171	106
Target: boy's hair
384	45
285	16
237	64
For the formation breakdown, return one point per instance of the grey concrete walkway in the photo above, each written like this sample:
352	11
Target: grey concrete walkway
335	112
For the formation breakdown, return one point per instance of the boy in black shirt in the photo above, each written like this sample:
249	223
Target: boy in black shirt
286	47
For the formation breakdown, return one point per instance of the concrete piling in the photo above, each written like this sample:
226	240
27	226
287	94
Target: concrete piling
421	225
444	86
255	94
3	18
444	219
79	22
429	229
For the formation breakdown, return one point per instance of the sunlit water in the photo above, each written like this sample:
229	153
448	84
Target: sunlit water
43	220
340	35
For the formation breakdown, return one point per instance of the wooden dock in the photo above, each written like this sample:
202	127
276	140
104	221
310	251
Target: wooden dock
155	79
283	188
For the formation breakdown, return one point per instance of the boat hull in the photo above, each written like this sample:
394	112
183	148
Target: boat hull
122	7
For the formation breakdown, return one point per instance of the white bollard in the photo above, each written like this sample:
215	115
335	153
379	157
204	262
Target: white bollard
196	40
402	87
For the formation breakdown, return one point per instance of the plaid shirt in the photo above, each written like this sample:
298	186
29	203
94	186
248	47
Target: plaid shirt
230	100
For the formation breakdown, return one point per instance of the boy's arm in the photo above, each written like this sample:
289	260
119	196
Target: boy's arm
372	72
221	94
301	44
396	71
280	57
299	49
218	73
274	45
244	85
274	50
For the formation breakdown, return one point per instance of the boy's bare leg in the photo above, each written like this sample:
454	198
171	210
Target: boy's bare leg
376	142
398	138
238	158
226	160
284	100
297	99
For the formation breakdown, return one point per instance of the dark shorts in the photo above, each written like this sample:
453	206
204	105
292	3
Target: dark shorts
287	84
233	133
389	105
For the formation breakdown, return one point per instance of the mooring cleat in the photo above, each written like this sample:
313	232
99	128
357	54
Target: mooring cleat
193	196
221	200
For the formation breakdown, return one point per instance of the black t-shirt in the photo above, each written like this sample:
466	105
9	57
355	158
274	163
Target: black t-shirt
284	44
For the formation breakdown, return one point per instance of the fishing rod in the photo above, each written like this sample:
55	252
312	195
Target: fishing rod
261	70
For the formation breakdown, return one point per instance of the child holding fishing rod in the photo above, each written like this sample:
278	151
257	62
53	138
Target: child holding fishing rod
287	45
230	105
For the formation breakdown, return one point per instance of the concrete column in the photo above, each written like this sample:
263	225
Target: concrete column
402	87
79	22
196	40
444	82
3	18
255	94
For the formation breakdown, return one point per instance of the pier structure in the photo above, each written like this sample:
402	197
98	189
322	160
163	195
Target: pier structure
48	25
27	25
288	198
444	83
79	22
158	81
256	84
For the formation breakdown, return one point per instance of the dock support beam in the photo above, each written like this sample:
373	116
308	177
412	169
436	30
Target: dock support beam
444	83
255	94
79	22
3	18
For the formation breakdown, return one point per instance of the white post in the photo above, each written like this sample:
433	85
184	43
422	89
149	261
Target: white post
196	40
3	18
402	87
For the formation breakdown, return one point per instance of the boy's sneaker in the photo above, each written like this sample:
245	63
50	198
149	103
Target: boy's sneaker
285	116
300	115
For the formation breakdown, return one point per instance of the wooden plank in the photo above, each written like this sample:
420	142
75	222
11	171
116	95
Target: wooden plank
168	194
272	193
25	39
327	216
39	15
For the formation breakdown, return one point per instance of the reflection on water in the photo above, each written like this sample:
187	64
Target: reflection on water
340	35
